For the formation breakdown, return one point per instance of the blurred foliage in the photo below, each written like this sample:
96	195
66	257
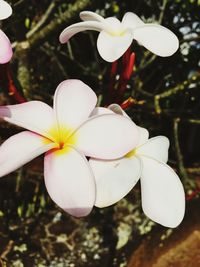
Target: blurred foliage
166	101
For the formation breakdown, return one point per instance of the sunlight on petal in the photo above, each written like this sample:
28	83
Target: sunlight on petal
70	31
108	136
114	179
20	149
89	15
156	148
131	20
70	181
35	116
163	198
73	103
112	47
157	39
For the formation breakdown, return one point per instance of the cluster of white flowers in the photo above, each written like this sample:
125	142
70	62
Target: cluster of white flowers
119	151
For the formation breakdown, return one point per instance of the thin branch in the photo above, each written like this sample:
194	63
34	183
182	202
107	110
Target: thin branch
42	21
162	11
58	23
180	87
179	155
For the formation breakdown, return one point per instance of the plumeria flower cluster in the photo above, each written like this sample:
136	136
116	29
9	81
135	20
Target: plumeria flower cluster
163	198
5	45
67	133
94	156
116	36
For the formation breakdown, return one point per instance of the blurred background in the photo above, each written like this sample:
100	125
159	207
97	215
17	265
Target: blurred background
162	95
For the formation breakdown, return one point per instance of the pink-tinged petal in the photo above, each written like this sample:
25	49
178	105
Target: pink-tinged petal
5	48
157	39
20	149
70	31
5	10
114	179
163	198
108	136
88	15
35	116
144	136
100	111
131	20
69	181
155	148
111	47
73	102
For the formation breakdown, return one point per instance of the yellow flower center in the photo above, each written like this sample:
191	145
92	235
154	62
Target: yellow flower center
131	153
117	33
62	137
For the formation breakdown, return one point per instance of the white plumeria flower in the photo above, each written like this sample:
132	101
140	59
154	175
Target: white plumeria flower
68	135
5	45
115	37
163	198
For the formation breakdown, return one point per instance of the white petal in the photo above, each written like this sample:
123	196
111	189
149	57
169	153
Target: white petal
70	31
155	148
5	48
163	199
35	116
73	102
88	15
118	110
157	39
143	133
20	149
131	20
69	181
100	111
114	25
112	47
108	136
5	10
144	136
114	179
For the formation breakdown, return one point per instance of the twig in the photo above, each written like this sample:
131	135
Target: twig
175	90
7	249
179	155
42	20
162	11
57	23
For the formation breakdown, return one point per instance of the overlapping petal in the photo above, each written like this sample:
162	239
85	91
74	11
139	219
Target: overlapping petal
5	48
118	110
112	47
163	199
156	148
144	136
69	181
73	102
108	136
114	179
132	21
100	111
70	31
157	39
35	116
5	10
89	15
20	149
